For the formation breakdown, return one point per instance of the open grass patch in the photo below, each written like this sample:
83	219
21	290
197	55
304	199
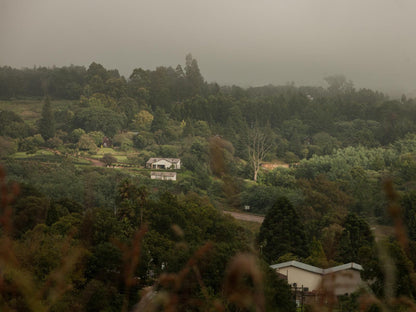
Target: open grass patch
106	150
30	110
24	155
121	156
252	227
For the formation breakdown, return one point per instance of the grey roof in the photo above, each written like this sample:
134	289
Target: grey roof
154	159
317	270
342	267
299	265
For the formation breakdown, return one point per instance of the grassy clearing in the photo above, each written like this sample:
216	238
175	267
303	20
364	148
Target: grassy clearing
30	110
106	150
49	156
253	227
121	158
23	155
80	161
119	155
382	231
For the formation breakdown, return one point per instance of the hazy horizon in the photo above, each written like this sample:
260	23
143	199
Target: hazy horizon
235	42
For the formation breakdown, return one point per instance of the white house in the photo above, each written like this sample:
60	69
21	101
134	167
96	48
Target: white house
339	280
163	175
163	163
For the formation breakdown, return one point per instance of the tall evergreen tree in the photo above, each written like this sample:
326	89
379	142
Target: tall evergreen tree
193	76
160	120
282	232
356	235
47	121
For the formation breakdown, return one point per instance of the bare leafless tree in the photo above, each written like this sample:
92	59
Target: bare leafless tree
259	144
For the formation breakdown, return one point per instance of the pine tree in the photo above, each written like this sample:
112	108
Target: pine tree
282	232
356	235
193	76
47	122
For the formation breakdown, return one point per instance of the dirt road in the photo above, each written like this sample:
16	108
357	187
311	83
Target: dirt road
94	162
245	216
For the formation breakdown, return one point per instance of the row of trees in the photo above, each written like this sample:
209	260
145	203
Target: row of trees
166	103
71	82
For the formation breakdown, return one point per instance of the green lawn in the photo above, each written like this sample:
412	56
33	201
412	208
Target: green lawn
49	156
106	150
22	155
119	155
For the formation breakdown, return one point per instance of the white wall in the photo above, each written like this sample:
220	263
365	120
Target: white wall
301	277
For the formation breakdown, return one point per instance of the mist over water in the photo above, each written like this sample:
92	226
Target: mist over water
235	42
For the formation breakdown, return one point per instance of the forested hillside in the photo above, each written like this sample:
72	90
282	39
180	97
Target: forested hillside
331	169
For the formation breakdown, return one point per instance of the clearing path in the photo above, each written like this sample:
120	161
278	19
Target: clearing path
245	216
94	162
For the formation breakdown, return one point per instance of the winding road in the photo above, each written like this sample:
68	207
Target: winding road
245	216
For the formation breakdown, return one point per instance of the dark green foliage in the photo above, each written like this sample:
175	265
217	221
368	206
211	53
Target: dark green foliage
47	121
261	198
129	107
31	144
75	135
104	263
54	213
382	263
28	212
408	202
7	117
282	232
87	144
140	141
7	147
349	302
11	125
99	296
99	119
277	292
356	235
160	121
93	188
70	205
108	159
193	77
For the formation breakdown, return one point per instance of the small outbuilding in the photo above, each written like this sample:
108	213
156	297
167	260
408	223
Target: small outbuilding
163	175
339	280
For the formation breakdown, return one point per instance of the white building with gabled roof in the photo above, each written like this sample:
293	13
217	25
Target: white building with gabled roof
163	163
340	280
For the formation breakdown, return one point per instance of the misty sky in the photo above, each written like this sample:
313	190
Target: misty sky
244	42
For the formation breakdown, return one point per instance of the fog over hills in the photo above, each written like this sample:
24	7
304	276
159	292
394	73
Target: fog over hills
235	42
